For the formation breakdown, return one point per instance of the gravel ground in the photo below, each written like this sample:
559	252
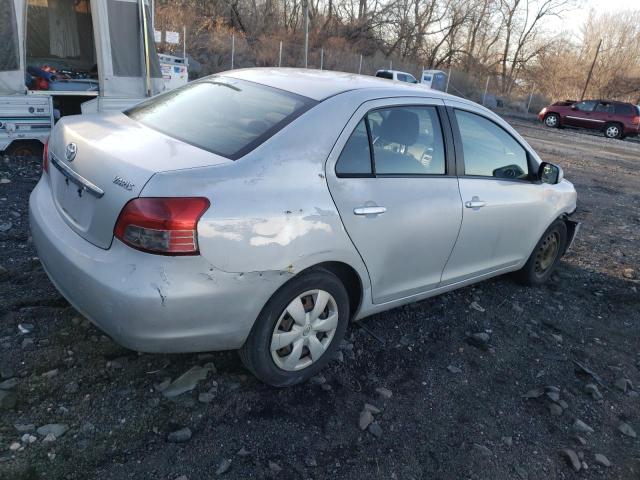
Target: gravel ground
552	382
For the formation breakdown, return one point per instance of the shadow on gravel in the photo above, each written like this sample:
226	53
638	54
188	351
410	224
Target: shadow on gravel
444	404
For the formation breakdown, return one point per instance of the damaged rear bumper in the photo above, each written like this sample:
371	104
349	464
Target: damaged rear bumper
147	302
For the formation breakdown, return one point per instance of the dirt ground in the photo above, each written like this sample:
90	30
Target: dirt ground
454	408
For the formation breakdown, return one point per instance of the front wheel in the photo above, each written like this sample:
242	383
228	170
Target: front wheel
552	120
298	330
545	255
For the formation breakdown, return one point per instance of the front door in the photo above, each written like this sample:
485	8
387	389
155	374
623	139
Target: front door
392	177
502	200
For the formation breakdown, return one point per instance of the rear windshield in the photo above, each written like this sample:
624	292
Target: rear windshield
223	115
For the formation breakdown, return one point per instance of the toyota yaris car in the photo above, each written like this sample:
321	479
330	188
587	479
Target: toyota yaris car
264	209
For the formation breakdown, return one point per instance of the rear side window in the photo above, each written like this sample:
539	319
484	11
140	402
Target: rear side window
623	109
489	151
9	56
604	107
225	116
387	75
402	141
407	141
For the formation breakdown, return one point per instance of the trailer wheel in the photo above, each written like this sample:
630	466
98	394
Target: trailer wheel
25	149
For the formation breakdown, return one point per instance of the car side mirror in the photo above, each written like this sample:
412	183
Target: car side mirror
550	173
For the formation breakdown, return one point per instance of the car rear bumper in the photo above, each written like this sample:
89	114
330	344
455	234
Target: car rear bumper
147	302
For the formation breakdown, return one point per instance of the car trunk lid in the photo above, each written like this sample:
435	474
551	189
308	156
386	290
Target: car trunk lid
100	162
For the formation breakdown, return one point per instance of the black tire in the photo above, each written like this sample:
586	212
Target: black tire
540	265
613	130
25	149
256	353
552	120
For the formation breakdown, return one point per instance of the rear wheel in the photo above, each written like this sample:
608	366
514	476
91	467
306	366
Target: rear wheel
298	330
552	120
25	149
613	130
545	255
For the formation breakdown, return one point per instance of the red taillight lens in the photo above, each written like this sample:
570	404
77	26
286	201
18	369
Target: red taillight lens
45	157
635	120
166	226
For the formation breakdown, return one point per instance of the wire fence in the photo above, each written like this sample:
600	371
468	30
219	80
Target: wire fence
485	89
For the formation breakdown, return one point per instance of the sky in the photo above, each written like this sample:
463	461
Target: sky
575	19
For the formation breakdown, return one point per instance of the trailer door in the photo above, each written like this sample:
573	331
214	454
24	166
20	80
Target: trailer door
12	46
120	49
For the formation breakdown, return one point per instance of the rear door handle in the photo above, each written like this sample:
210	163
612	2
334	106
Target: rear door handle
369	210
475	202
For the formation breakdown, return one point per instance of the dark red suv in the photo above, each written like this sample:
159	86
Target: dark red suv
614	119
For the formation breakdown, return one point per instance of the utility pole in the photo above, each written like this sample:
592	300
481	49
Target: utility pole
305	6
593	64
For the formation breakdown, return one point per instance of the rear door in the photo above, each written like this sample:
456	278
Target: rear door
503	202
581	115
391	174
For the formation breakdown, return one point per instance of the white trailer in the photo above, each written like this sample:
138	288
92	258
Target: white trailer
65	57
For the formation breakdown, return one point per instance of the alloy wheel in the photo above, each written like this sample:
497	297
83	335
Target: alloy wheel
304	330
551	121
612	131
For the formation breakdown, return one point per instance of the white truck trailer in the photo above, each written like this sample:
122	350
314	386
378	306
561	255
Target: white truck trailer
65	57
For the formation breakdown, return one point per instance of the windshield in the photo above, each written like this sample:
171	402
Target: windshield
223	115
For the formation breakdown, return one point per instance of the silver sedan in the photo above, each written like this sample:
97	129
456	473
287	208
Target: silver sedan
264	209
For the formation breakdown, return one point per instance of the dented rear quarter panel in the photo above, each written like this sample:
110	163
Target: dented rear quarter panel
271	213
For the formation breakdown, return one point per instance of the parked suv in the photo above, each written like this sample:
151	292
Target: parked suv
614	119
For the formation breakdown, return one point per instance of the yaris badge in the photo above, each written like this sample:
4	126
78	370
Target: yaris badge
70	152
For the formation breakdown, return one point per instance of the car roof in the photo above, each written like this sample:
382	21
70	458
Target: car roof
321	84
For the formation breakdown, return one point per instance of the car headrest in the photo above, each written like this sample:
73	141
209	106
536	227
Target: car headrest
401	126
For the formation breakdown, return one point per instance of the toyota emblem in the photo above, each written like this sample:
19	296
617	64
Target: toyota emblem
70	152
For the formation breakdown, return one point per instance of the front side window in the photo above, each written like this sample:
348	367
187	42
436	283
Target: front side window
489	151
9	55
411	79
586	106
225	116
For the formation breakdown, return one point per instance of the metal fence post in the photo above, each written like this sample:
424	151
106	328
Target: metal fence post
530	97
484	96
280	55
233	49
390	64
360	67
448	79
321	58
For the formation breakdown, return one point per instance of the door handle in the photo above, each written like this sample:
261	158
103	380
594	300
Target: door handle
369	210
475	203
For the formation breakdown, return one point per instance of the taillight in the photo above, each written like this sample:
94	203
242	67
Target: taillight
45	157
635	120
166	226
